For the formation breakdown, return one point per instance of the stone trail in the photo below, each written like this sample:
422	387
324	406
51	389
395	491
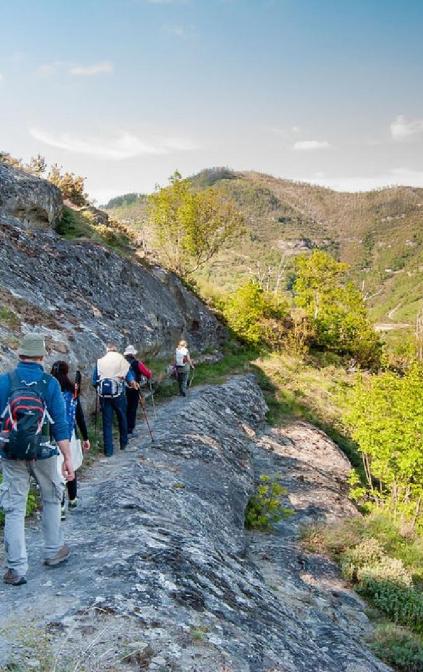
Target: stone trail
163	576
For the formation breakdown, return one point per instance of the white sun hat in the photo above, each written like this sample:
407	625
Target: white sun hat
130	350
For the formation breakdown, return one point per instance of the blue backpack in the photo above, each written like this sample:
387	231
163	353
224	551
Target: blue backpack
70	409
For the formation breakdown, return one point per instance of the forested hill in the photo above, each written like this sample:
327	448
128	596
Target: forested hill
380	233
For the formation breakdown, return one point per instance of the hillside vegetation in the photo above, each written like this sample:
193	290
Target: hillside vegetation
379	233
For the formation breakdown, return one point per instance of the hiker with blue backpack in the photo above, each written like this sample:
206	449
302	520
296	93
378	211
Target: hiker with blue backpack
142	375
110	376
76	421
32	407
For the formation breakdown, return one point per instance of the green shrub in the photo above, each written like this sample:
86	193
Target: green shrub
386	421
367	552
402	604
398	647
8	317
265	507
387	569
336	308
256	316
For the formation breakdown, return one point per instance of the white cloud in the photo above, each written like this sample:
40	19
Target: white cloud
310	145
395	177
123	145
74	69
401	128
105	67
48	69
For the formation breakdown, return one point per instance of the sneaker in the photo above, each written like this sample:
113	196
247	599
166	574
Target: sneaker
61	555
73	503
13	579
63	512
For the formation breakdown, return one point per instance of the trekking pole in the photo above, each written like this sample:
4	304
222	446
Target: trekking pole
144	410
150	384
95	418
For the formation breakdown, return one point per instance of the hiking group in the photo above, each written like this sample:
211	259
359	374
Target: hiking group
40	424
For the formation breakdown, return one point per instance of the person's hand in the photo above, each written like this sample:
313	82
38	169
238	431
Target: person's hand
134	385
86	445
67	469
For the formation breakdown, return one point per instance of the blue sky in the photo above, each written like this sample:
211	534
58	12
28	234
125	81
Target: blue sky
126	91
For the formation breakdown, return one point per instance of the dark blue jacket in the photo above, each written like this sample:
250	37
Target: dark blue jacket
30	372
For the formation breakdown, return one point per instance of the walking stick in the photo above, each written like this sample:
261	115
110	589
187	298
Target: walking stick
144	410
96	417
152	398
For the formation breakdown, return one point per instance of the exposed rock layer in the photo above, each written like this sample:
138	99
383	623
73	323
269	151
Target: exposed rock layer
27	200
163	575
80	294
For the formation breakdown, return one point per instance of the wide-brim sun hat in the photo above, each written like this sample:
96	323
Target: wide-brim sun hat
130	350
32	345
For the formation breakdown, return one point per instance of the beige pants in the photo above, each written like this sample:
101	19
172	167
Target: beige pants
13	499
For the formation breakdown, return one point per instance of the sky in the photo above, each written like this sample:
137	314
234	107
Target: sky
124	92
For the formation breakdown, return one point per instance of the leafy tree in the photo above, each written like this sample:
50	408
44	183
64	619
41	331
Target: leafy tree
10	160
37	165
189	227
386	420
72	186
336	308
256	316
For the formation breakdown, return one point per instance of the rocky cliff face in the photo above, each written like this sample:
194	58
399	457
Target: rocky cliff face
80	294
164	576
27	200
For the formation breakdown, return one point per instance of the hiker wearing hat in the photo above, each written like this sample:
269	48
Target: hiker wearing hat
142	374
32	407
110	375
183	364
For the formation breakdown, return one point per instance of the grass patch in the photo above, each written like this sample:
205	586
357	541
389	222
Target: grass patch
398	647
8	317
384	562
76	225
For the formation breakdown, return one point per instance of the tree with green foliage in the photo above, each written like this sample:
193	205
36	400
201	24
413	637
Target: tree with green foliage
189	227
72	186
256	316
386	420
336	307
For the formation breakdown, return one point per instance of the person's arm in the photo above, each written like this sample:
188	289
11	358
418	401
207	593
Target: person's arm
59	429
94	377
4	391
144	370
130	380
82	425
190	362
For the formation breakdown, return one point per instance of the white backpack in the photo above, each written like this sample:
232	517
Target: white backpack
181	356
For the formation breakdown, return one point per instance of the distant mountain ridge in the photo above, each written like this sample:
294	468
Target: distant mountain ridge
379	233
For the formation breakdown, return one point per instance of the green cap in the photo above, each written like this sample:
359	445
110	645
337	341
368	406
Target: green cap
32	345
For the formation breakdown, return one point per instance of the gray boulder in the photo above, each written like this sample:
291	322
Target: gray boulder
27	200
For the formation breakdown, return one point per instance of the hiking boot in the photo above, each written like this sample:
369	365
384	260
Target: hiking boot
73	503
13	579
61	555
63	512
